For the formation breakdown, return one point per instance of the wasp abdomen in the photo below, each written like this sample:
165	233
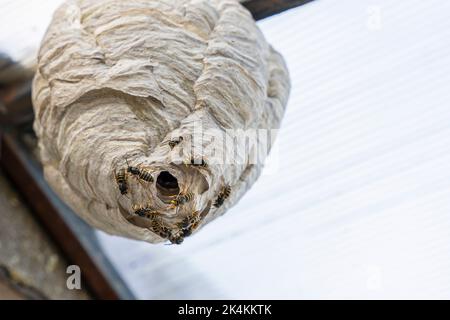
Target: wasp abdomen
222	196
121	180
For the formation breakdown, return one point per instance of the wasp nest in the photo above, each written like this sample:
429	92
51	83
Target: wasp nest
141	108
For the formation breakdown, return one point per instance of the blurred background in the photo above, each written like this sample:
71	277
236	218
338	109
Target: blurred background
354	200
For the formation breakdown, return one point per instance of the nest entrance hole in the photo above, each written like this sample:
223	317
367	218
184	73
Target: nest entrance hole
167	184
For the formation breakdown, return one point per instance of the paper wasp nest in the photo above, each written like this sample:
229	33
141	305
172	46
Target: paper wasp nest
141	108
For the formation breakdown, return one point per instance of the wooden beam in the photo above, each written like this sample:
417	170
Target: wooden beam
75	238
261	9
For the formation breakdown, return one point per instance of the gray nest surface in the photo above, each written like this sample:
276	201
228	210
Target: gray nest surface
130	98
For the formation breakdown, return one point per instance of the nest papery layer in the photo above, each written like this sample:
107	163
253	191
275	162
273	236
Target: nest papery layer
118	80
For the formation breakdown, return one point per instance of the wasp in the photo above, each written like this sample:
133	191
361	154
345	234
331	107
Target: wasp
156	224
158	227
141	174
196	162
121	180
190	219
174	142
145	211
190	223
222	196
181	199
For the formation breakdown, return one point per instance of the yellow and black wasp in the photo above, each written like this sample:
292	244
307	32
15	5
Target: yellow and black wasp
121	180
222	196
181	199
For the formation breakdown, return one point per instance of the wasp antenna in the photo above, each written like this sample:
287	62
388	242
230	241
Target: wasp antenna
126	160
